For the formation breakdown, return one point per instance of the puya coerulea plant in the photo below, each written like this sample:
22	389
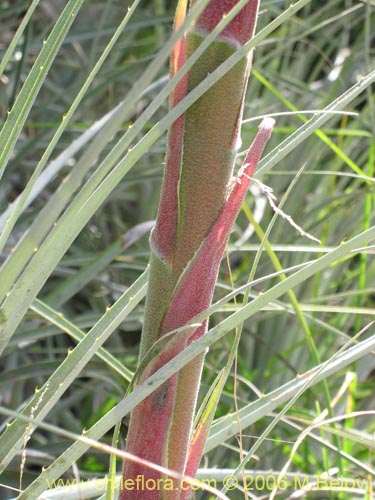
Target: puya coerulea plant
199	203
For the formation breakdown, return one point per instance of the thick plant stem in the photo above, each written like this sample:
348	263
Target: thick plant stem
196	213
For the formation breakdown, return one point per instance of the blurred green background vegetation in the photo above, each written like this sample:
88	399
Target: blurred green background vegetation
325	184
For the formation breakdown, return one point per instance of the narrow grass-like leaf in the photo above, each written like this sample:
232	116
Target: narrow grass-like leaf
55	318
68	370
17	115
313	124
196	348
72	285
93	193
55	166
306	383
261	408
88	441
60	130
111	486
18	36
319	133
312	57
62	236
48	216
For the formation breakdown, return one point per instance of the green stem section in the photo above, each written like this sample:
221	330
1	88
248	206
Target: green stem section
201	153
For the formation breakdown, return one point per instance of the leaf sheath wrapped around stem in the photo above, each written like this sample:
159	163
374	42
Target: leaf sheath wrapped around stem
196	213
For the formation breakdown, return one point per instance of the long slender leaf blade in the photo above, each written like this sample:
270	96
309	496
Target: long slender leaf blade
267	404
11	221
55	318
199	346
60	380
57	203
91	196
18	114
18	35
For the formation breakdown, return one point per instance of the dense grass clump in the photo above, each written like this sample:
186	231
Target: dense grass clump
84	115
